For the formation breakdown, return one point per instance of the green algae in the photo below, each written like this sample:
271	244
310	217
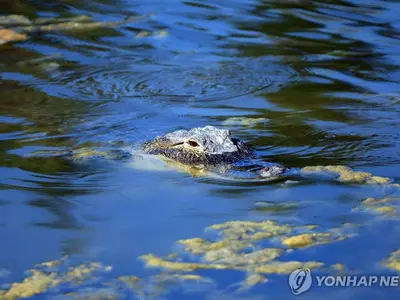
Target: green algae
393	261
275	208
347	175
88	153
244	121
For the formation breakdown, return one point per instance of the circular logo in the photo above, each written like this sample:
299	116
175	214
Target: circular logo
300	281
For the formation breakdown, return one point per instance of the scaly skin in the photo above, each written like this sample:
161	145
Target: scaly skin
206	146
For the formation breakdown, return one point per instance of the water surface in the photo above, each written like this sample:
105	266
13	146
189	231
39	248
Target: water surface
322	77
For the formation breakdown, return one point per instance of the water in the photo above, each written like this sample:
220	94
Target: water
321	77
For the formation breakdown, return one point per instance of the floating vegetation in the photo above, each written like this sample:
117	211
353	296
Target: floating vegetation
347	175
253	279
44	277
393	262
92	294
384	206
340	268
239	248
132	282
244	121
311	239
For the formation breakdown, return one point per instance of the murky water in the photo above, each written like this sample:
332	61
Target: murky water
305	82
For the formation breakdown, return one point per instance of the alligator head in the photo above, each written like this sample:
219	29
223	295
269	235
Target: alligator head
201	146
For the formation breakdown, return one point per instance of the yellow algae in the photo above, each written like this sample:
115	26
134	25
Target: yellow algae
251	230
200	246
154	261
35	284
381	205
339	268
253	279
231	259
297	241
286	267
370	201
94	294
84	271
176	277
237	249
373	201
165	280
311	226
39	281
393	262
51	263
308	239
347	175
386	210
235	261
134	283
130	280
173	255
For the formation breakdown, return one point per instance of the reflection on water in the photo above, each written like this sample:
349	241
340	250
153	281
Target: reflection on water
305	82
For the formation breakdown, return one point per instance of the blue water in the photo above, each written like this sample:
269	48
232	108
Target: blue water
322	76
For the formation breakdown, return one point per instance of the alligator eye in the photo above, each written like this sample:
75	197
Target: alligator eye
193	143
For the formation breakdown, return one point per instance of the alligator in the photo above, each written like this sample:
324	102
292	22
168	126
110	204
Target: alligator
208	148
200	151
212	151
